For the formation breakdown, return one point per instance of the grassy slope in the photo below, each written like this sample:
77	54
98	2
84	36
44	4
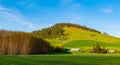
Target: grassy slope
80	34
71	59
81	38
78	38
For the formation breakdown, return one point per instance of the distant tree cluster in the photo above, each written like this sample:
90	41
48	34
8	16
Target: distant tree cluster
21	43
57	30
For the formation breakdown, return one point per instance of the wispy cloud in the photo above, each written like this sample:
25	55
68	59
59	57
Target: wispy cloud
107	10
1	8
13	16
27	4
69	3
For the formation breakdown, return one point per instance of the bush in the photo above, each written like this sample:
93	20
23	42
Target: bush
59	48
82	50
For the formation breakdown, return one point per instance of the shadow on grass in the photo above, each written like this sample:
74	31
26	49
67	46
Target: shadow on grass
65	51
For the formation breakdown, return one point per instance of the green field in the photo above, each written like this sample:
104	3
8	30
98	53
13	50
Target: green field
90	44
62	59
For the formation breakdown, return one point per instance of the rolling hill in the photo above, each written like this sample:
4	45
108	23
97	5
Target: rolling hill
76	36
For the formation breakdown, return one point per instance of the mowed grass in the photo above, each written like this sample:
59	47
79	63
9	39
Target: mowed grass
62	59
90	43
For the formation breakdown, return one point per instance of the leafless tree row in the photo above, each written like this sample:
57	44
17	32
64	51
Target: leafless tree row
21	43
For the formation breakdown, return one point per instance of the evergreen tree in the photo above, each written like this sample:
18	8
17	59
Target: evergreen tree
98	49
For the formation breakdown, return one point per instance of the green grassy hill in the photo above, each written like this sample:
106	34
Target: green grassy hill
81	34
76	36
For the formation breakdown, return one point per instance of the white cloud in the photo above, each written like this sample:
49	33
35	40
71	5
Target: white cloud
107	10
13	16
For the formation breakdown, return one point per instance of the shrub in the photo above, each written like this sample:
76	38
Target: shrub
82	50
59	48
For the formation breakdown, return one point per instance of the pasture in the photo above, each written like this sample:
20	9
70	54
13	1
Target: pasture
90	43
62	59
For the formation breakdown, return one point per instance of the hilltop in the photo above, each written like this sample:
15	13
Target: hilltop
57	30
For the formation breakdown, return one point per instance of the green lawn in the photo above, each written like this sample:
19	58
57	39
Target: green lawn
62	59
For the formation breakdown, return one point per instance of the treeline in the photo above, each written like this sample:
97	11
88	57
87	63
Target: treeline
57	30
21	43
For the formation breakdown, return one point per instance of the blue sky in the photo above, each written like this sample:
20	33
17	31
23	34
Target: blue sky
29	15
